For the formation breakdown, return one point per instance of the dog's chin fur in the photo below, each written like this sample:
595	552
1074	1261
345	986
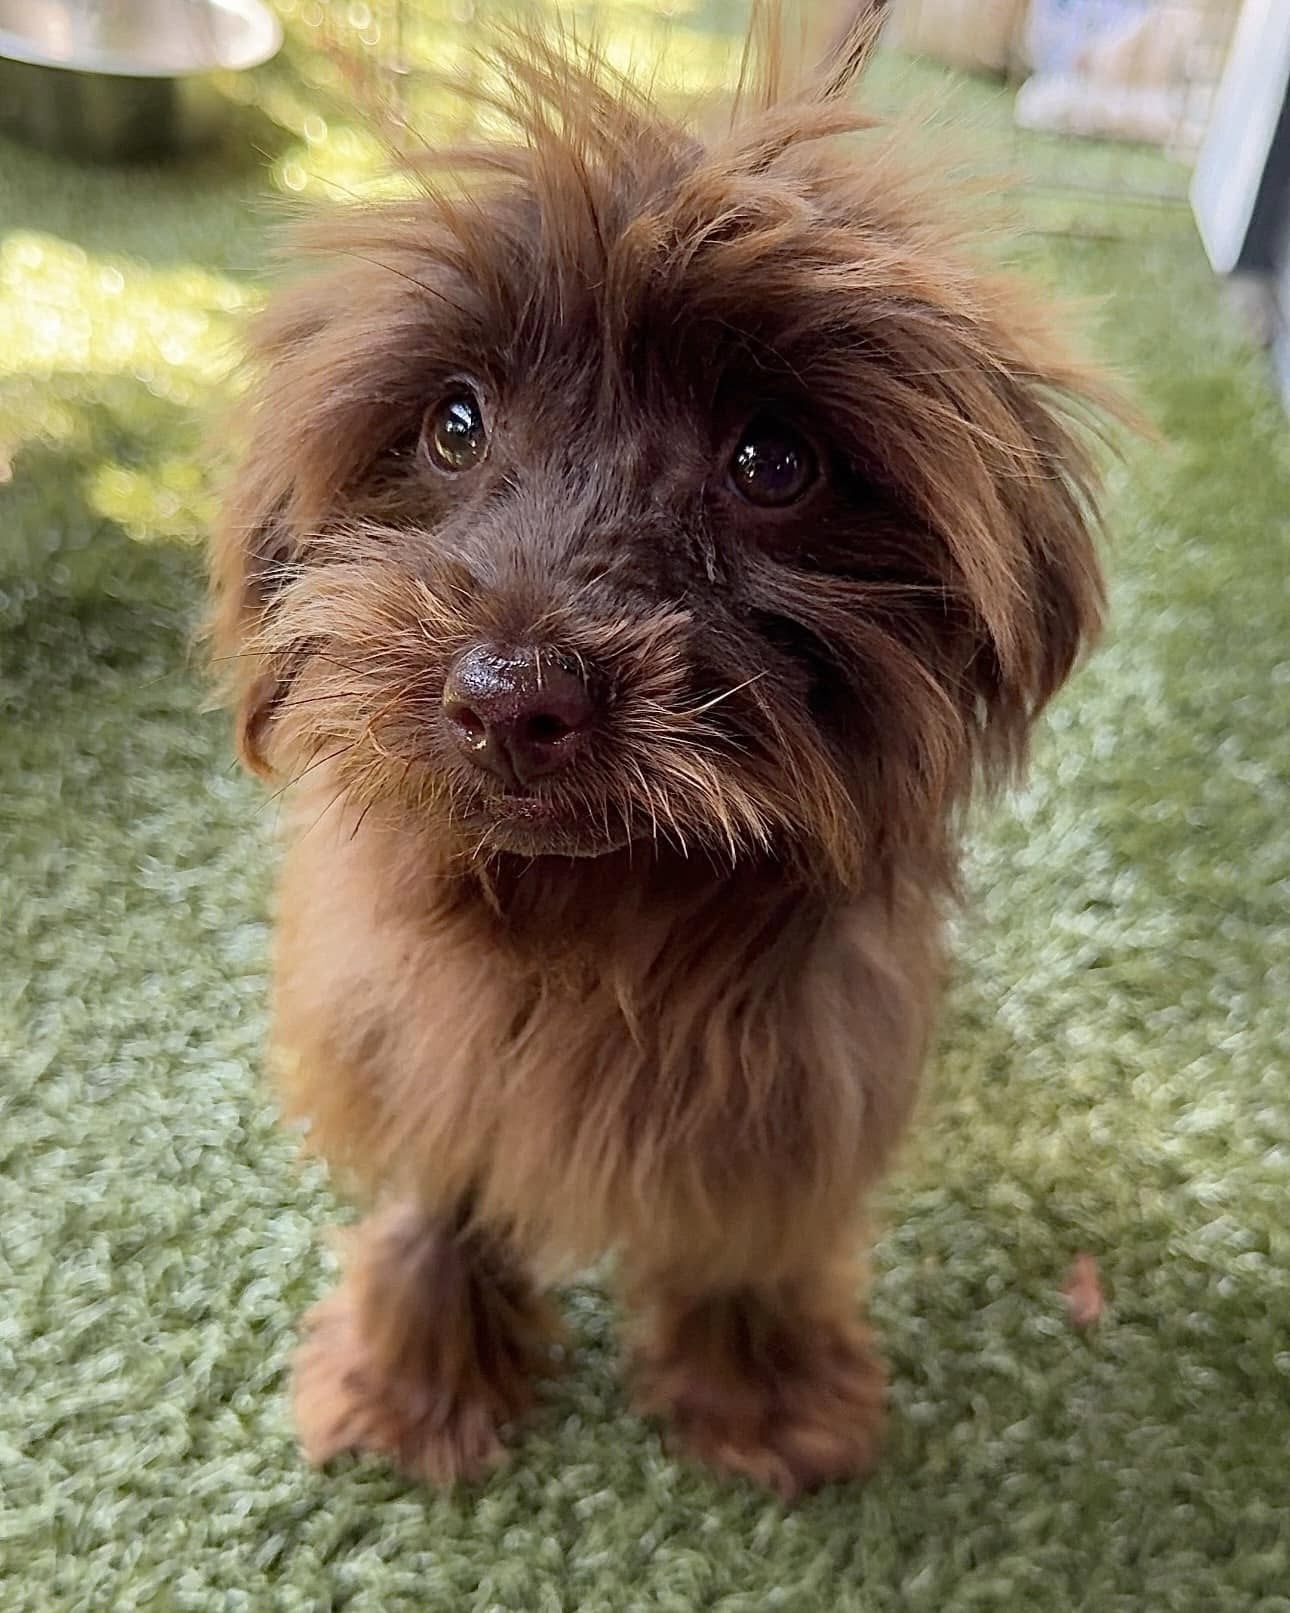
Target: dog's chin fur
516	833
674	1002
521	840
533	825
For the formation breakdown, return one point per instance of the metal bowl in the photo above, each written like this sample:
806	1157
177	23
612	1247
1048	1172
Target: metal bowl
118	79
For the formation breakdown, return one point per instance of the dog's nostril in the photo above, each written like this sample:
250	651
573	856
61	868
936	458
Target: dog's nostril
544	728
469	724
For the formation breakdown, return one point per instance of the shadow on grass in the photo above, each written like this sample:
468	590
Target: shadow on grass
94	547
209	208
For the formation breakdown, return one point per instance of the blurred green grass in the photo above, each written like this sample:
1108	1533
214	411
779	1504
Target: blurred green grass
1113	1074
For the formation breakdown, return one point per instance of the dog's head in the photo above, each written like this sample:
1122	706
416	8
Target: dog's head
622	488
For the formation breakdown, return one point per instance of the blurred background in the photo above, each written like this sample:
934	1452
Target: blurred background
1113	1073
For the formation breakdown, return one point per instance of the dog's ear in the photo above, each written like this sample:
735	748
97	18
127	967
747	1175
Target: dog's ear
253	554
1060	523
1008	478
1026	485
307	426
252	549
252	562
1040	594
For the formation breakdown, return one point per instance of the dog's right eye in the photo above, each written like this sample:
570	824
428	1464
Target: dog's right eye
453	437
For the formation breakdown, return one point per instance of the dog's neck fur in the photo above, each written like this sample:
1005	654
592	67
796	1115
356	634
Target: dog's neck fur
644	910
632	912
584	902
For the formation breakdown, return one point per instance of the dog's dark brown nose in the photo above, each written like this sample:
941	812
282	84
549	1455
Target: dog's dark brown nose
517	713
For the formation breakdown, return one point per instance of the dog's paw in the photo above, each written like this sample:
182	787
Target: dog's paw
343	1402
790	1422
799	1443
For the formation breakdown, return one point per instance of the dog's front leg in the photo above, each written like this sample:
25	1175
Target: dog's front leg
775	1380
425	1352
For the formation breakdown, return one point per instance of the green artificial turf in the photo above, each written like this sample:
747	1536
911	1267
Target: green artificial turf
1113	1071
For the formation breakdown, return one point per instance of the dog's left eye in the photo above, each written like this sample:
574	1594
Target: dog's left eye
453	437
772	464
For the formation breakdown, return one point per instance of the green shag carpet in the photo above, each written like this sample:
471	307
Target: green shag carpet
1113	1074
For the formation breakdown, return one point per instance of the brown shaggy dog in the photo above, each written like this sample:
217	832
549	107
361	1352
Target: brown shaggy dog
644	546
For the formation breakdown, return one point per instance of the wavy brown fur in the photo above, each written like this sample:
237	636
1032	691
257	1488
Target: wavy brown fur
687	1023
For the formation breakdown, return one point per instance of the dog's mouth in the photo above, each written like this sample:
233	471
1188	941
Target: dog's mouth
535	823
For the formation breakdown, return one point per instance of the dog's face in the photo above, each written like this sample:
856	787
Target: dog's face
641	492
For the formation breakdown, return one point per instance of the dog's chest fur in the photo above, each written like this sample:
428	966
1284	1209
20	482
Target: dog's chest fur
595	1056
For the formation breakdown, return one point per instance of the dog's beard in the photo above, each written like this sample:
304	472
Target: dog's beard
700	761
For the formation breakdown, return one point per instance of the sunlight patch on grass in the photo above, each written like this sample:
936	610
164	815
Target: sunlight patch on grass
115	366
62	308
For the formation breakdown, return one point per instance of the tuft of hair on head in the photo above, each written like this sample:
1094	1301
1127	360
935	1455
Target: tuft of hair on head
776	70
